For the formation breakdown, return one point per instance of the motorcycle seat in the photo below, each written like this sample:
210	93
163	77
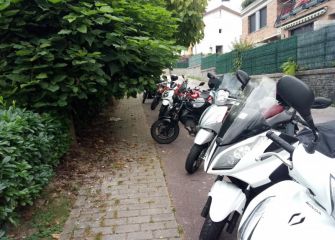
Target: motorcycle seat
326	141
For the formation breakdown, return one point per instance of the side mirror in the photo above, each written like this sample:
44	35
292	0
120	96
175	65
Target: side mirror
298	95
201	84
243	77
210	76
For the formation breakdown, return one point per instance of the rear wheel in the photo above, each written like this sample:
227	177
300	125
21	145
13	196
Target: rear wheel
194	158
211	230
164	132
155	102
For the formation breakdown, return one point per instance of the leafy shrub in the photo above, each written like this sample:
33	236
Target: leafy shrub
69	55
30	146
289	67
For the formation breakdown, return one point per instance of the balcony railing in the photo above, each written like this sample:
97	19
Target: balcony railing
289	8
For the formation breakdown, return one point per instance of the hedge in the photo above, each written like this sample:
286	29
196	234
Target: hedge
31	145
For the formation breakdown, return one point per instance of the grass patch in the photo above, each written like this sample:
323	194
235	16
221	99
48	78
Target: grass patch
45	221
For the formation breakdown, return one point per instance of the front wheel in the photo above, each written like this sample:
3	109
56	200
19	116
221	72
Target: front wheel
164	132
211	230
194	158
155	102
144	97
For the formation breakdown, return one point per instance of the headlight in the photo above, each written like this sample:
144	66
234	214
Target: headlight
251	222
332	194
233	156
221	97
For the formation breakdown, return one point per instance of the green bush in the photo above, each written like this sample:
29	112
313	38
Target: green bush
30	146
71	56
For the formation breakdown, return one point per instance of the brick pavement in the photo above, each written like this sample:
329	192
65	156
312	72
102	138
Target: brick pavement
128	201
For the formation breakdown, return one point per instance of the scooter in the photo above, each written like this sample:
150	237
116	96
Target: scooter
304	207
232	154
227	90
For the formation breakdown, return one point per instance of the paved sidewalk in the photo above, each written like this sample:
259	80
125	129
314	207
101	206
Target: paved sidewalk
132	201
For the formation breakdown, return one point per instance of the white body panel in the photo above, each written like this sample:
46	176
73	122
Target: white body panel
203	136
167	98
305	167
289	213
226	198
248	168
212	117
166	102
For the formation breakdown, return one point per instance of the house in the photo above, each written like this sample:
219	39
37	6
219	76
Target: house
268	20
223	25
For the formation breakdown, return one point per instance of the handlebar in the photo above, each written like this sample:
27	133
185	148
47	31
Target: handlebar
280	142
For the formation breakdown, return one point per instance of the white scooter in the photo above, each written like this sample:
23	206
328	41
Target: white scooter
302	208
227	90
241	139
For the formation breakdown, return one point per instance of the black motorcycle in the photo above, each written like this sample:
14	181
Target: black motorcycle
188	111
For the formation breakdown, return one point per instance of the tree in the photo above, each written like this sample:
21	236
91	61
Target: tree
71	56
190	14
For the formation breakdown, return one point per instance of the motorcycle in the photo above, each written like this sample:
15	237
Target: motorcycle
227	90
304	207
167	96
232	154
149	93
186	110
162	86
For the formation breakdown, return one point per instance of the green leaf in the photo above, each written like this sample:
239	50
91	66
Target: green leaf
64	32
55	1
70	18
122	85
4	4
53	88
23	52
82	28
42	76
59	78
106	9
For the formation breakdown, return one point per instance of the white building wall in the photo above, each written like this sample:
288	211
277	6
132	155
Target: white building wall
229	23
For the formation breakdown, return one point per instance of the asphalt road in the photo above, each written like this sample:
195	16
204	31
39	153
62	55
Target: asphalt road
189	192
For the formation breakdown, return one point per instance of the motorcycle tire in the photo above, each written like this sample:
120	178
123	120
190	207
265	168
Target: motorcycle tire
154	103
144	96
211	230
163	110
164	132
193	160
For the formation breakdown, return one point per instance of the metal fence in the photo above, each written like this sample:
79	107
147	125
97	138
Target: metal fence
311	50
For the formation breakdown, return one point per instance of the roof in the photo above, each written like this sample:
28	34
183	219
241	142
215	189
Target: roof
222	7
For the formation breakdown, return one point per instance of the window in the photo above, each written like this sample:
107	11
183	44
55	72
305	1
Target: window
257	20
252	23
303	29
220	30
218	49
262	17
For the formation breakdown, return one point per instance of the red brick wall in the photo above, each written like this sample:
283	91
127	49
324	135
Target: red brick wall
265	32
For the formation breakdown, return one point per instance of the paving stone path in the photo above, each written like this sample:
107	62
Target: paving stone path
130	202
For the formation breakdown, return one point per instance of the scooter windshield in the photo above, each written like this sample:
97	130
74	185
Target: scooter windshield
230	82
247	117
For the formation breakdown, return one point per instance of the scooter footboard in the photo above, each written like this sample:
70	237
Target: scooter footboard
226	198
